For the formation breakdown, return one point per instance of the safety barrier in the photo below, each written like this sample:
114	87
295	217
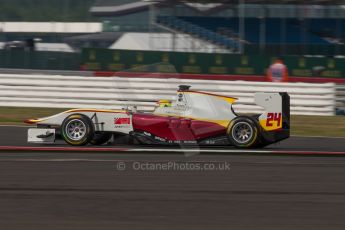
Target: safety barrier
340	97
118	92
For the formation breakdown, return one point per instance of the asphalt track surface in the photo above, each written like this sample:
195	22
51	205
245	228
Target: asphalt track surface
67	190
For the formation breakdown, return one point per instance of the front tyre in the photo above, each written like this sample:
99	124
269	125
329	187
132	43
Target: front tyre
77	130
243	132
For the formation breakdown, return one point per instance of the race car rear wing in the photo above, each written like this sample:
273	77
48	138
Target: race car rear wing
275	121
277	110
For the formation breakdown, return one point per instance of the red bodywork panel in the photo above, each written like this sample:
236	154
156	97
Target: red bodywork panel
174	128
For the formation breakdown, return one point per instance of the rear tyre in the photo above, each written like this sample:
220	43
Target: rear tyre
243	132
101	138
77	130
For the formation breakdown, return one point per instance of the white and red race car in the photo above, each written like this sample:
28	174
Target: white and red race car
195	118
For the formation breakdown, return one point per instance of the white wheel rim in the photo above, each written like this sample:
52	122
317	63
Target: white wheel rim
75	129
242	132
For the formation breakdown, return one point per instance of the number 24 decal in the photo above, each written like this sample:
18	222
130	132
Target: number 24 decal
273	117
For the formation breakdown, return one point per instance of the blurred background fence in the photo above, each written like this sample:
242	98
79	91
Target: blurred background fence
117	92
19	59
183	62
205	63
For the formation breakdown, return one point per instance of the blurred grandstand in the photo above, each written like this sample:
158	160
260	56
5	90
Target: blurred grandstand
250	27
284	27
227	26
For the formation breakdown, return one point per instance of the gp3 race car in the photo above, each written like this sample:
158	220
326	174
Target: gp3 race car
195	118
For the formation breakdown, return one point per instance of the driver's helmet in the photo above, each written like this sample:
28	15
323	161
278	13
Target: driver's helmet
164	103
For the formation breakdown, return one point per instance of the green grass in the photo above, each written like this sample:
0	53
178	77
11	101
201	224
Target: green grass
332	126
14	115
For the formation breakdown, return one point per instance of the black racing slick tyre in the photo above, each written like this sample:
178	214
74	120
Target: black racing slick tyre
77	130
101	138
243	132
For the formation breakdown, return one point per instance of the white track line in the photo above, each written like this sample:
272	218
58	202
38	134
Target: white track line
199	150
57	160
172	160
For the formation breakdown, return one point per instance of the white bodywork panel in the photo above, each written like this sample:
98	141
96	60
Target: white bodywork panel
272	118
104	120
200	106
205	106
34	135
271	102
